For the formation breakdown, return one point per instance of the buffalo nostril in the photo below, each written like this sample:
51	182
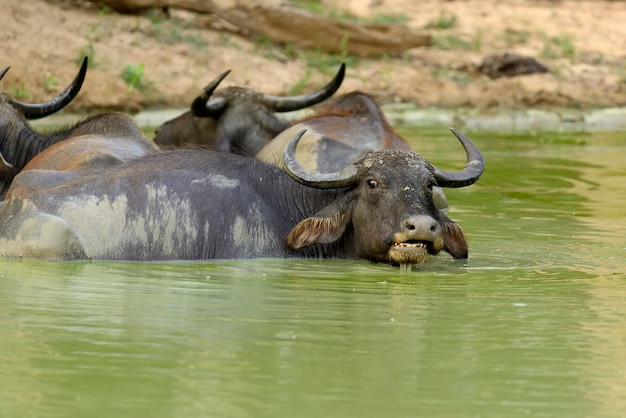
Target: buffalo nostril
420	224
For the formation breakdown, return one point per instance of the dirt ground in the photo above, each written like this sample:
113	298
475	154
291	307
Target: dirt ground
169	60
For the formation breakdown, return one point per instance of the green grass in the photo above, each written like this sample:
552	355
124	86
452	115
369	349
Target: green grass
325	62
87	51
559	47
19	91
318	8
227	41
444	21
390	18
516	37
105	10
460	77
50	82
300	86
169	33
133	75
311	6
449	42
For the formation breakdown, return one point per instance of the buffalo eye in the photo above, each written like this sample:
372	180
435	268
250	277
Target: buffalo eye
431	184
372	183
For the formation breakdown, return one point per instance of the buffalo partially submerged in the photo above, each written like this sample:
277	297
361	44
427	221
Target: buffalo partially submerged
98	140
203	204
18	141
340	132
237	119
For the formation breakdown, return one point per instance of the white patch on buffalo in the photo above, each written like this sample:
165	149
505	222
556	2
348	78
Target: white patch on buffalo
172	228
165	227
99	223
219	181
33	234
251	234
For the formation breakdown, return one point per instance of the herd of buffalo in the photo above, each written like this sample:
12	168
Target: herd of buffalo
228	179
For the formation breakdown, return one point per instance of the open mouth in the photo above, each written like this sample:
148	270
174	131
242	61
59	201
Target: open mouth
410	252
412	244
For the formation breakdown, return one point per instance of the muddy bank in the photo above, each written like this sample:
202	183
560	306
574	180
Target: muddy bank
149	61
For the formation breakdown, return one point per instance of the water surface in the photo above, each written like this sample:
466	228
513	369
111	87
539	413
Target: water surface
534	324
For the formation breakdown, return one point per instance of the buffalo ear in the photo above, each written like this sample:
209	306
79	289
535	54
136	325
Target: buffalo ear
326	226
453	239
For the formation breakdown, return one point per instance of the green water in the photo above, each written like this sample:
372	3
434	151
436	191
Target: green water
534	324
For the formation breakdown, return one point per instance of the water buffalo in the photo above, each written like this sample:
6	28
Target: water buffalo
206	204
97	141
340	132
237	119
19	143
102	139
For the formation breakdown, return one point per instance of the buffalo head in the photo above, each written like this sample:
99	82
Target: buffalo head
237	119
388	208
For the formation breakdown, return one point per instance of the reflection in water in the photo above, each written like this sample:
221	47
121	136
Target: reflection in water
533	324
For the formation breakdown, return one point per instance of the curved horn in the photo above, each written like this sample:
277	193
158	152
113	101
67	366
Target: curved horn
315	179
472	171
202	107
288	104
40	110
5	166
3	72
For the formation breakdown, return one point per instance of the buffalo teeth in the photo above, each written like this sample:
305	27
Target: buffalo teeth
409	244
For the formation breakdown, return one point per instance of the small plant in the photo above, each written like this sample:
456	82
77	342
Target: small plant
391	18
168	33
516	37
262	42
325	62
548	52
477	41
599	59
449	42
105	10
310	5
227	40
290	51
560	46
446	73
133	76
566	44
444	21
89	52
19	91
156	16
50	82
343	15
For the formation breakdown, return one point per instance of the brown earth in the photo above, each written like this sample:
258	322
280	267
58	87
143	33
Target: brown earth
582	42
